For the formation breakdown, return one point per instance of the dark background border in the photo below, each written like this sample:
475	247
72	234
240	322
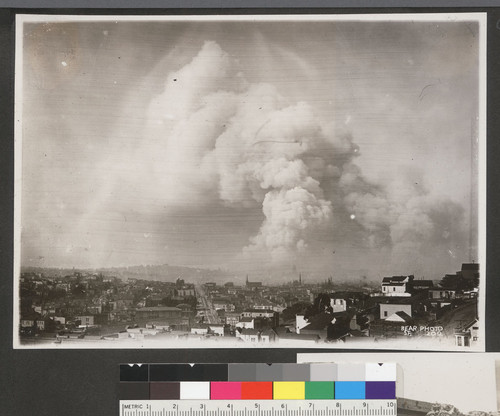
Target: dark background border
84	382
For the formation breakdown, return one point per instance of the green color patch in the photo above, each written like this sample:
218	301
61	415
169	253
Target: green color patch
317	390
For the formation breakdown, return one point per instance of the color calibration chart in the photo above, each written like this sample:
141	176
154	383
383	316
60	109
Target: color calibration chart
321	389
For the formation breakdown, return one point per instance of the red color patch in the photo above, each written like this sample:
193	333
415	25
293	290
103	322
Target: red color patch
257	390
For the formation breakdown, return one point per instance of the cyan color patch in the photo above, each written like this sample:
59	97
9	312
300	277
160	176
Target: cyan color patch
349	390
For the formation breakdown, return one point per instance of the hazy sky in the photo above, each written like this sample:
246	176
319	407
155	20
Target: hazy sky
333	148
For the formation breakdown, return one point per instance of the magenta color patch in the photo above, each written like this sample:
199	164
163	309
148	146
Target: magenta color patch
225	390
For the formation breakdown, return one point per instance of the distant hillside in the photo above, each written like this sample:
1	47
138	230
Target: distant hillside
164	272
168	273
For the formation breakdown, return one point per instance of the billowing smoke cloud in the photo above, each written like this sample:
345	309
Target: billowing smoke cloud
412	221
223	140
247	146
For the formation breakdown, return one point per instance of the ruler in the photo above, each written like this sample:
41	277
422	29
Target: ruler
258	408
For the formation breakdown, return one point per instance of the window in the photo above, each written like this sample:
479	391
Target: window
459	341
393	289
385	313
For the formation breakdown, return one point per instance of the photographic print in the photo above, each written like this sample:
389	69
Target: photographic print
497	376
429	384
250	181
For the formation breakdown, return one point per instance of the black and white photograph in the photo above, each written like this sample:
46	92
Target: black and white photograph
303	181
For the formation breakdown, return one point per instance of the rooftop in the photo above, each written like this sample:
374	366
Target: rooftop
398	278
302	337
259	310
249	331
426	283
470	266
246	319
319	322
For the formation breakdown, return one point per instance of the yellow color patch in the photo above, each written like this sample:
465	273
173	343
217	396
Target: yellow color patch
289	390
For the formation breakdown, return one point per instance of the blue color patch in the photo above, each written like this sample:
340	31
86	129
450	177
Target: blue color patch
349	390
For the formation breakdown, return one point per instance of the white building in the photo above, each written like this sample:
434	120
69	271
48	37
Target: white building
226	306
246	323
389	309
200	330
259	313
248	335
85	320
217	329
468	335
300	322
397	285
338	304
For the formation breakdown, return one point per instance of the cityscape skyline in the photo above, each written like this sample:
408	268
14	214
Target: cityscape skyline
126	308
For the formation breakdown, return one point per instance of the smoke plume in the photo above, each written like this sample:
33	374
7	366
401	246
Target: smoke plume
223	140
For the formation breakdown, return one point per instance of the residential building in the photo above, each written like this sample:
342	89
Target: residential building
29	320
216	329
268	336
397	285
470	270
246	323
262	313
200	329
338	304
248	334
300	322
169	315
85	320
401	317
442	294
232	318
389	309
186	292
467	335
224	304
297	340
318	325
419	285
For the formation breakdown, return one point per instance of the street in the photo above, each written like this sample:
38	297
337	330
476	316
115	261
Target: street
211	316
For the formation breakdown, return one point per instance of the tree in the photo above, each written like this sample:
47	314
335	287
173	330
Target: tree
78	290
458	282
321	304
296	309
